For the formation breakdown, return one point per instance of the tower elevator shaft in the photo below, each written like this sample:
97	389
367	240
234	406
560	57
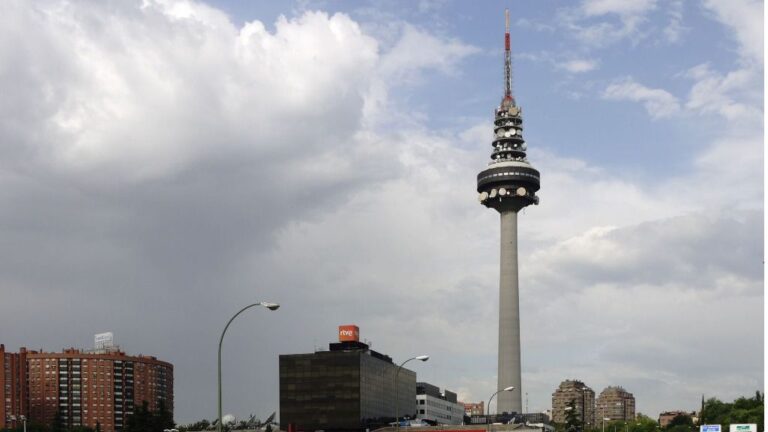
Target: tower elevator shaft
509	319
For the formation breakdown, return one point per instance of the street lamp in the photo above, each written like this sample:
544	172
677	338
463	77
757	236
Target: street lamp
397	387
510	388
568	408
268	305
605	419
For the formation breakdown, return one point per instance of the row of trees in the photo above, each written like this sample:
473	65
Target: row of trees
56	426
742	410
142	420
207	425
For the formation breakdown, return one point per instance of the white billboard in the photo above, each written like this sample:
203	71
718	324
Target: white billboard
710	428
750	427
103	340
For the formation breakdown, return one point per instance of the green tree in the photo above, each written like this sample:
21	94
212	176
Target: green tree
679	428
163	417
140	420
572	419
742	410
196	426
681	420
643	423
58	423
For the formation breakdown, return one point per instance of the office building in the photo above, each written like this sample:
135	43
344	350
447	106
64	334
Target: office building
348	387
434	406
582	397
86	387
615	403
508	185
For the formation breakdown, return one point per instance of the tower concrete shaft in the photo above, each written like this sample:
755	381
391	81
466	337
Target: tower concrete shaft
507	185
509	319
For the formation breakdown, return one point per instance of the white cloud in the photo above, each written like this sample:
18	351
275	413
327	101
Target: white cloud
623	259
148	147
579	65
599	23
123	103
645	297
617	7
674	29
745	19
418	50
731	95
535	25
564	62
658	103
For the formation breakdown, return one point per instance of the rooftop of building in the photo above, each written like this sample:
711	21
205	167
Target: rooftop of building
107	353
614	389
425	388
347	346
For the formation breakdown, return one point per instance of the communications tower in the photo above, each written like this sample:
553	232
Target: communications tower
508	185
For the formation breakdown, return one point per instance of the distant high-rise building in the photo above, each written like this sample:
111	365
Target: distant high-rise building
85	388
508	185
436	406
583	398
615	403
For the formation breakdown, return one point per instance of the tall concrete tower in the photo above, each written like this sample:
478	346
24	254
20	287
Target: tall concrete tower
507	185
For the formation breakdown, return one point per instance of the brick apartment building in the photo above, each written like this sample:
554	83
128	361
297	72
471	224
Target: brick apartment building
583	398
615	403
85	387
13	385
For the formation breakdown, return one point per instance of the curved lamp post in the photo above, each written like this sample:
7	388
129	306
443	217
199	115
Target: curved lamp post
510	388
268	305
397	414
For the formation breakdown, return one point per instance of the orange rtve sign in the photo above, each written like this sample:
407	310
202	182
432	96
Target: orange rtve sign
349	333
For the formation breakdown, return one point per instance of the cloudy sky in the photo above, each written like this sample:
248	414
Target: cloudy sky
164	163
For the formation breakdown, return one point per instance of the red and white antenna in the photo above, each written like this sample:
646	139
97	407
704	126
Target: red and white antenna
508	98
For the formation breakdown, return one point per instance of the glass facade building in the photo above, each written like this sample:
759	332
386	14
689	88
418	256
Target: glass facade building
349	387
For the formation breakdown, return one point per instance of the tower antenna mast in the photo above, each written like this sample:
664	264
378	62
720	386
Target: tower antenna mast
507	63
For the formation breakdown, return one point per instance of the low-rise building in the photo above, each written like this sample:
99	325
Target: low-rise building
432	405
667	416
535	418
473	408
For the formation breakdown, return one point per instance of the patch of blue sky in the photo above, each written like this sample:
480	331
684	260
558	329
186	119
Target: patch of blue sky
565	110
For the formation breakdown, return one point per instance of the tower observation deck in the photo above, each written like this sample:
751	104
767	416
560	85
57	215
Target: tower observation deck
508	184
